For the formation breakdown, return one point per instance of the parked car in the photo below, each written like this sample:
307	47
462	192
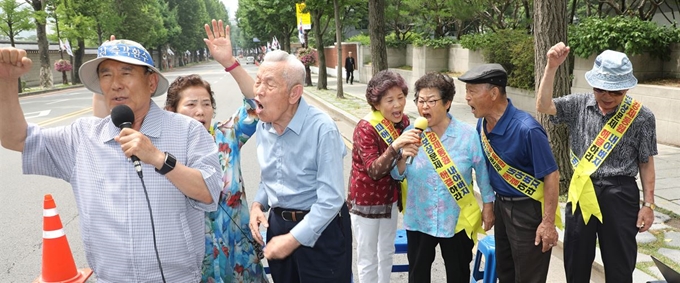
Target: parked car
250	60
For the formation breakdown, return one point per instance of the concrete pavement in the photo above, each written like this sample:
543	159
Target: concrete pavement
667	193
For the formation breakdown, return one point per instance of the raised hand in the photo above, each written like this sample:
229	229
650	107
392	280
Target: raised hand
557	54
219	43
13	63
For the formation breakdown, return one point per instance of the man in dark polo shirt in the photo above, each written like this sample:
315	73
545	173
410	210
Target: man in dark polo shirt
606	161
523	173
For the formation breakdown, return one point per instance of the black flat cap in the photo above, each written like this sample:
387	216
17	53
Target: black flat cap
493	74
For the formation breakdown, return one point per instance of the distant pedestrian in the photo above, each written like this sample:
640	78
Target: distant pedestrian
613	139
350	65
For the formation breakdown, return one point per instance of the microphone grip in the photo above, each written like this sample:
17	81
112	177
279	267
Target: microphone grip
137	164
409	159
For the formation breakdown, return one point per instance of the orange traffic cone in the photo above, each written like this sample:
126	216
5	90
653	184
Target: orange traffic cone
57	261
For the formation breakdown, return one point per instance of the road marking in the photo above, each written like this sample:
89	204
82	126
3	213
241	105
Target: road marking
348	143
64	117
37	114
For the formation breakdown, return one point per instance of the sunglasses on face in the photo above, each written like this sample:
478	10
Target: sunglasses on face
612	93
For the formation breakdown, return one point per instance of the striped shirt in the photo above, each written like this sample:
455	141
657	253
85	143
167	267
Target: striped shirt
114	217
585	120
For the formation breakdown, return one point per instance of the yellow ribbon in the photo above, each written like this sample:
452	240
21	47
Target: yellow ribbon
470	218
518	179
388	133
581	189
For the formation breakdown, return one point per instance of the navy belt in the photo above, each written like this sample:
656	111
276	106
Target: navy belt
290	215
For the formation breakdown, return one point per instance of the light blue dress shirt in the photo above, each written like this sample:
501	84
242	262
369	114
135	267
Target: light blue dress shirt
302	170
114	218
430	207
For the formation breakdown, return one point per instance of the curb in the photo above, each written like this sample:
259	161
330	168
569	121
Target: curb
49	90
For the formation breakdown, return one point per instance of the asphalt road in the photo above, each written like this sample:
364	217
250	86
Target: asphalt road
21	196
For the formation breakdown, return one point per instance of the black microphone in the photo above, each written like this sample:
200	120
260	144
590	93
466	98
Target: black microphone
122	116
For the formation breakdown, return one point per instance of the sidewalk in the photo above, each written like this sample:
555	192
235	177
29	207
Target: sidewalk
667	192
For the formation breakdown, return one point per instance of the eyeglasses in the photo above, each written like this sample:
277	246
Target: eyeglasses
430	103
612	93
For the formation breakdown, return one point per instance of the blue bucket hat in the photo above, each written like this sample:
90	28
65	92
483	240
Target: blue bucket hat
126	51
612	71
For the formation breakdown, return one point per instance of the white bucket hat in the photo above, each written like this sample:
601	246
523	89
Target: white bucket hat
612	71
126	51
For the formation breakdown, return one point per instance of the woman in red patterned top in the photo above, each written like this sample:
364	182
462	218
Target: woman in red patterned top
373	194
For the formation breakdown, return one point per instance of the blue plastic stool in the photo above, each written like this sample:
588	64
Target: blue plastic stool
400	247
485	247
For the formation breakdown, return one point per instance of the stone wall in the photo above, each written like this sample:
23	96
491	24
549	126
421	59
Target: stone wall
32	78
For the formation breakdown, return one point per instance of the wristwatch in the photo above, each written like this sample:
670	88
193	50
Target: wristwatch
650	205
168	164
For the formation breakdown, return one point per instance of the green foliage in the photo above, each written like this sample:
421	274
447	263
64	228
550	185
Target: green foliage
393	41
192	15
629	35
523	64
443	42
14	18
513	49
362	38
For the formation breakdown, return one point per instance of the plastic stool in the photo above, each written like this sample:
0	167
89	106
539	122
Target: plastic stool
400	247
485	247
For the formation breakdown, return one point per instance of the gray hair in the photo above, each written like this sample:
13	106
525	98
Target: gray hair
293	72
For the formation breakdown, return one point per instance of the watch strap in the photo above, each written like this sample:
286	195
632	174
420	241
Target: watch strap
168	164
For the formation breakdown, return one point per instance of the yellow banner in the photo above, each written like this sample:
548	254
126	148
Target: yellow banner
470	218
302	18
581	190
518	179
388	133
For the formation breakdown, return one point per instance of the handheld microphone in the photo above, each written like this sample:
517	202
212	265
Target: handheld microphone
122	117
420	124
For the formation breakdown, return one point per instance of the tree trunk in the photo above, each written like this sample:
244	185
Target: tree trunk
376	27
80	53
550	27
43	50
322	80
338	40
308	71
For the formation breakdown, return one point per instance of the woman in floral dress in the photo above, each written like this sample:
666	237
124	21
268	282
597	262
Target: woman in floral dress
230	255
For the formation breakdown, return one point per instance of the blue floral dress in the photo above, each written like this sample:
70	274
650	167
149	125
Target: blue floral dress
229	254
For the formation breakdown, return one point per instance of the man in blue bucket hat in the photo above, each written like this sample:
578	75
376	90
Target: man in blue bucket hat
134	229
612	138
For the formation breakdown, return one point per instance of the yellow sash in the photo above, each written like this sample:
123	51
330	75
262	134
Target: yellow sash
388	133
581	190
470	218
518	179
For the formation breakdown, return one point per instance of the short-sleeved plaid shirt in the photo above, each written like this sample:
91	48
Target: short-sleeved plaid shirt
585	120
114	217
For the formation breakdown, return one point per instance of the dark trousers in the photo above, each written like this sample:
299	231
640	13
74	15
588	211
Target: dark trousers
349	76
517	258
330	260
618	198
456	252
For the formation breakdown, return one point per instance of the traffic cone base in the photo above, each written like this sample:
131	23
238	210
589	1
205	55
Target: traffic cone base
82	276
58	265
